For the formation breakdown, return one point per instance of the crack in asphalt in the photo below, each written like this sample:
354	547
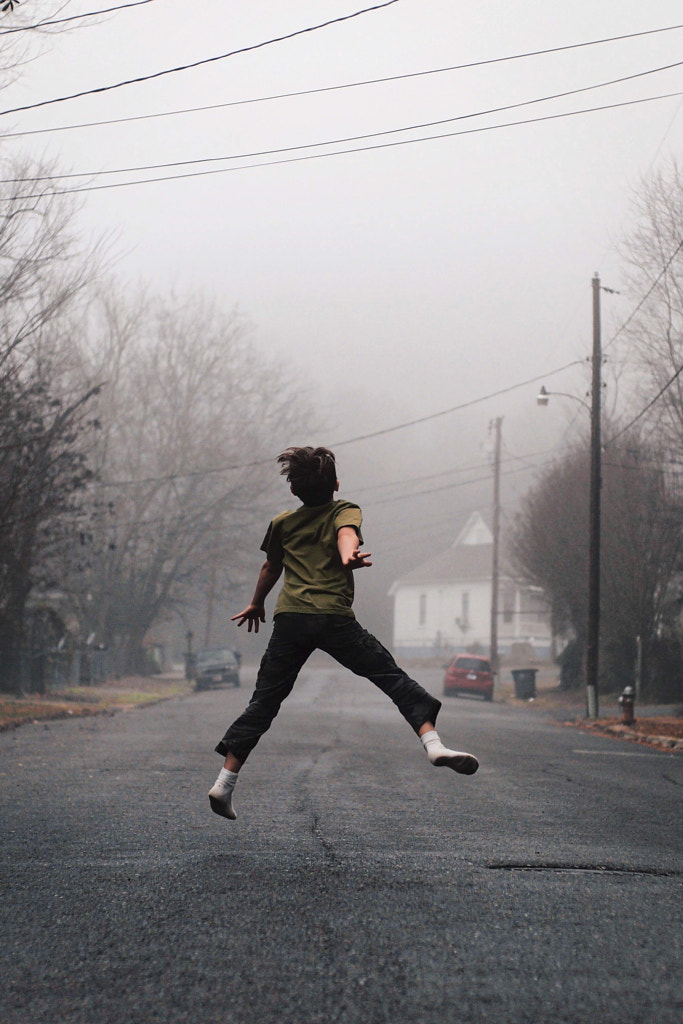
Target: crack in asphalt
601	869
326	845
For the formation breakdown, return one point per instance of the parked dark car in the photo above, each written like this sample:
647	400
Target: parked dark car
216	666
468	674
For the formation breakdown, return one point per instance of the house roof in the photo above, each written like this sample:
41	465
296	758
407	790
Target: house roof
464	562
477	529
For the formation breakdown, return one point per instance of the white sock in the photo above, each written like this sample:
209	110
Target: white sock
220	794
226	780
430	739
458	760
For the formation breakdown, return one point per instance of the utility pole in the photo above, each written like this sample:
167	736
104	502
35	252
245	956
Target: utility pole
593	644
639	666
495	570
209	604
216	530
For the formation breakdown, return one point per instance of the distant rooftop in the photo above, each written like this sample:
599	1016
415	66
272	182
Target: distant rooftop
468	558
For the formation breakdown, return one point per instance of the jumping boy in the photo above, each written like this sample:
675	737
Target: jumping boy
318	546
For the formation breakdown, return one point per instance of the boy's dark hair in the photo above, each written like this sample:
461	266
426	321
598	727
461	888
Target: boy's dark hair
311	472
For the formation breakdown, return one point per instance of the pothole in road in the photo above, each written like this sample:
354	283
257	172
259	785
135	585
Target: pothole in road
594	869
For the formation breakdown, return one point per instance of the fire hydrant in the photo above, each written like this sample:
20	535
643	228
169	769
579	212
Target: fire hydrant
626	701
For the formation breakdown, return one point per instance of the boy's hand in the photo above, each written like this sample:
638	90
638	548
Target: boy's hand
253	614
357	560
347	544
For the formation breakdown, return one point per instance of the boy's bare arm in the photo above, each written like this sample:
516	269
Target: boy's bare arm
347	542
255	612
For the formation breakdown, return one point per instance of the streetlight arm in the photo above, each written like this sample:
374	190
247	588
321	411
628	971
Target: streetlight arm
543	396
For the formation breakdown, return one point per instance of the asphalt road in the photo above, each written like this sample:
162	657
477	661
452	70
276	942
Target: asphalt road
358	885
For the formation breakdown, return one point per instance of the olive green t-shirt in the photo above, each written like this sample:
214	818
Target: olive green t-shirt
305	543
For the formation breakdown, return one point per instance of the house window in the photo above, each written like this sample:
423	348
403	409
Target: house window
508	604
465	610
422	615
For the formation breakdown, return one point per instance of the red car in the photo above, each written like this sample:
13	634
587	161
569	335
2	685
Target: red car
468	674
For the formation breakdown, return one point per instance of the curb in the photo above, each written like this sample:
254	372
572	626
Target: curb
60	711
623	732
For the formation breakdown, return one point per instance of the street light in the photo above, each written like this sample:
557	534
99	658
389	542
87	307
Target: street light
593	638
543	396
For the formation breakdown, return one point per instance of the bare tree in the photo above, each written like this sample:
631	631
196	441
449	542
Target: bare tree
640	548
43	426
192	418
26	27
42	266
653	254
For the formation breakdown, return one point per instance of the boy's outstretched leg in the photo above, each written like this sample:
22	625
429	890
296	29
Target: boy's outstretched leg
458	760
356	649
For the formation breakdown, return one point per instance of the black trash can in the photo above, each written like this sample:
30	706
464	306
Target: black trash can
525	682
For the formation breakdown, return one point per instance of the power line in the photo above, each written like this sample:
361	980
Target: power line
457	469
647	295
525	467
454	518
675	376
611	246
344	152
455	408
176	519
73	17
665	135
647	408
432	490
339	444
444	487
336	88
343	141
196	63
405	481
524	459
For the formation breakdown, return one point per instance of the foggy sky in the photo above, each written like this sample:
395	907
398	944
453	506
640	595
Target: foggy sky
404	280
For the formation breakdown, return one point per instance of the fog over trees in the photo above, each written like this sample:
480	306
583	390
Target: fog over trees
136	443
183	461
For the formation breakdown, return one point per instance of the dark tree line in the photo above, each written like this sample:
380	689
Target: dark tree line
44	426
641	516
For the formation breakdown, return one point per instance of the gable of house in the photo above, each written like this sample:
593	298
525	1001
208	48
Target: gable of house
468	559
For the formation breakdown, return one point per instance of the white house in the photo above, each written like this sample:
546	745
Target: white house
444	605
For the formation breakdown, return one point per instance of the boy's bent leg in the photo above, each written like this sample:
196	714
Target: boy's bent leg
359	651
277	674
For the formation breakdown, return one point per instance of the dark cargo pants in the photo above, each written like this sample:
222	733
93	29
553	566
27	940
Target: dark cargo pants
294	638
